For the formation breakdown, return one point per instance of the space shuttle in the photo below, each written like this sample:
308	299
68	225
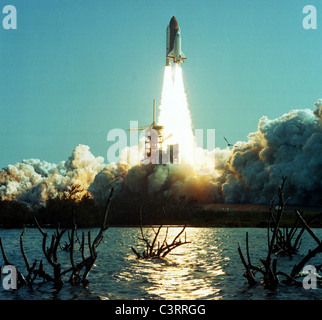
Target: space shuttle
173	44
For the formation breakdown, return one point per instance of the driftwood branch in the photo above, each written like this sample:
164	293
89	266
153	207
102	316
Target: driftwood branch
311	253
280	241
153	247
307	228
20	278
51	254
87	263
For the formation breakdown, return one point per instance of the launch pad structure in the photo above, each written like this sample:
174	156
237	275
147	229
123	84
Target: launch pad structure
154	143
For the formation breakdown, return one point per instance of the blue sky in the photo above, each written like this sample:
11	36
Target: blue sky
73	70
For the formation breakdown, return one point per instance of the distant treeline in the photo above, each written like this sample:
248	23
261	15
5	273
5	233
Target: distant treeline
132	211
14	214
86	213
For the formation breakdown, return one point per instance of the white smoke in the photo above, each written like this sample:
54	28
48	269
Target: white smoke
318	109
34	182
288	146
248	173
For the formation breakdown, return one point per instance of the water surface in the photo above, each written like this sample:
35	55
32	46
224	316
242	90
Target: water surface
207	268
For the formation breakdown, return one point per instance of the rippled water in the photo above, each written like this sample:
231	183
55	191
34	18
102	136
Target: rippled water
207	268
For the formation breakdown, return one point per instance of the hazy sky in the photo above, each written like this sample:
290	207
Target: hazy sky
73	70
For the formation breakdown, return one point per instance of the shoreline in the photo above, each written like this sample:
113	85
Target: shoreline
206	219
128	214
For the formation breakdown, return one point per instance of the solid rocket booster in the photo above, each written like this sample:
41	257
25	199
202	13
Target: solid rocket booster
174	43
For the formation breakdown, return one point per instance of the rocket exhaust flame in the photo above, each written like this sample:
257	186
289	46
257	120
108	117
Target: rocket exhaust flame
174	114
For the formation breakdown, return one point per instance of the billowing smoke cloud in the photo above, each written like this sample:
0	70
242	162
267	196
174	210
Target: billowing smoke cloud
318	109
248	173
34	181
290	146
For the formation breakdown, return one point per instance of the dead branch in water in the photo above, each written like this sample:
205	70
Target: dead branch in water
51	254
155	248
311	253
280	242
268	267
20	278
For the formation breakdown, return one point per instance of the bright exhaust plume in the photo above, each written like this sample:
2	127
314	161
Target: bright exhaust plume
174	114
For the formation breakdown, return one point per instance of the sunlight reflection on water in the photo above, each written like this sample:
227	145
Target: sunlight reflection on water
187	273
207	268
